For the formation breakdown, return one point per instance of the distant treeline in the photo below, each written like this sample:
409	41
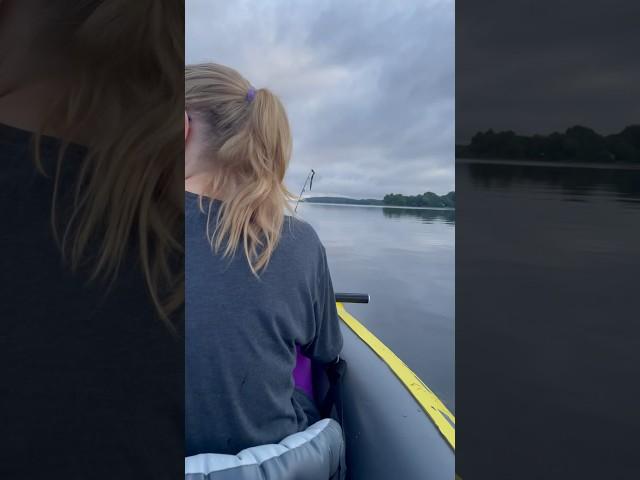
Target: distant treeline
427	199
578	144
344	200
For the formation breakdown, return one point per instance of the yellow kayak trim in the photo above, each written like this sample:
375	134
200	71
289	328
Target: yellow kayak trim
439	414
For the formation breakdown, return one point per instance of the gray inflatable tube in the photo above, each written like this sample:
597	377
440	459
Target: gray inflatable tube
314	454
388	434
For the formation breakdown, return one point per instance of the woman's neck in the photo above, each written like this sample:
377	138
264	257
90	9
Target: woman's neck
196	184
200	184
28	107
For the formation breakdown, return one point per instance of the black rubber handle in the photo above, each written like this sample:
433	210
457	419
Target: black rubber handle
352	297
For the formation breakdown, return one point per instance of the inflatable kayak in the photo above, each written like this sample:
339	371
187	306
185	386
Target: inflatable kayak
391	425
394	425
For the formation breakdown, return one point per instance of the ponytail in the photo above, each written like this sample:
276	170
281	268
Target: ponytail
250	144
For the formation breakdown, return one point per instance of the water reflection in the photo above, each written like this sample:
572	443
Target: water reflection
425	215
623	184
547	264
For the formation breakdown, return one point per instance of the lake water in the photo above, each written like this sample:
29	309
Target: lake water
404	259
547	321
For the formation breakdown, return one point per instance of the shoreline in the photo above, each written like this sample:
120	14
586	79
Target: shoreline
377	206
548	163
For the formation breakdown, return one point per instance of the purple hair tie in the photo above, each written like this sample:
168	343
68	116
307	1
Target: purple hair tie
251	94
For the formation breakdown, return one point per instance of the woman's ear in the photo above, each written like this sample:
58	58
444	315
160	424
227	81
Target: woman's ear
186	126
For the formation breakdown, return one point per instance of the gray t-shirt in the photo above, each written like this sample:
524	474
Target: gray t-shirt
242	332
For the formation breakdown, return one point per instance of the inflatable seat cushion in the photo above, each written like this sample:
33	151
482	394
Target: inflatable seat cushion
317	453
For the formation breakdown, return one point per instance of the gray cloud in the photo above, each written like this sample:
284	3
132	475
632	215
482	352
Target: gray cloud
369	85
533	69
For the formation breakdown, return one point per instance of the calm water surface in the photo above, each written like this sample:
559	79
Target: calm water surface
548	321
404	259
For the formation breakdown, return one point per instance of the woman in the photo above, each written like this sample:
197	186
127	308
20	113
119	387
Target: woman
257	280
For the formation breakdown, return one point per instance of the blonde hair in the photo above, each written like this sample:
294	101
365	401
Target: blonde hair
248	141
127	192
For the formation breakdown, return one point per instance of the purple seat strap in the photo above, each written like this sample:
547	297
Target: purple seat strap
302	375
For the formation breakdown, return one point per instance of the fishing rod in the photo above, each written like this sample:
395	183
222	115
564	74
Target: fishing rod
309	180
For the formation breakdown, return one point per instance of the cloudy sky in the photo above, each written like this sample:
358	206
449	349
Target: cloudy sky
368	84
534	69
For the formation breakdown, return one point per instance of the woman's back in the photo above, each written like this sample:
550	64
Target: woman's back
242	331
80	359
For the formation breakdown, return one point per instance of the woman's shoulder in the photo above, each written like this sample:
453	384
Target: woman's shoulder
300	248
296	231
